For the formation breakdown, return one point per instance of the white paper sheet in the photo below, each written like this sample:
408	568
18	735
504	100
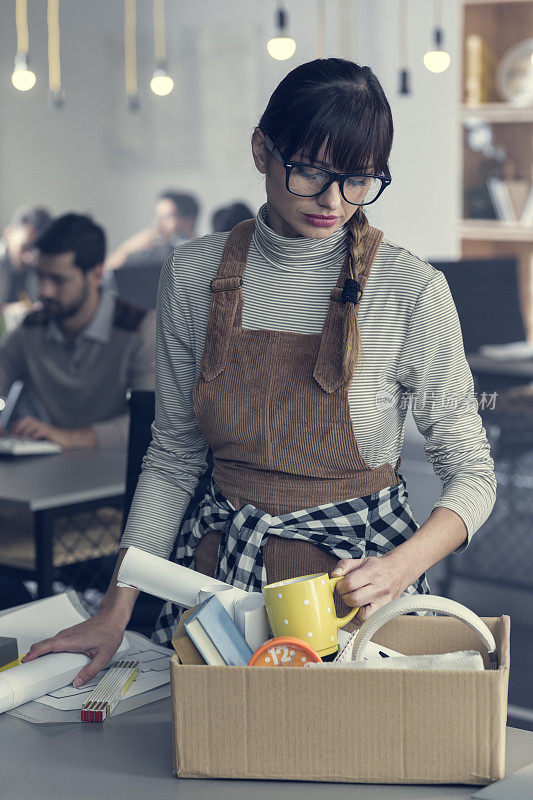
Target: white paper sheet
38	713
458	661
31	623
41	619
513	351
152	683
154	671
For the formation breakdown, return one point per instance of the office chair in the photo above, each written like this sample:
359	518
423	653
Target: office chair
138	285
142	413
486	294
487	297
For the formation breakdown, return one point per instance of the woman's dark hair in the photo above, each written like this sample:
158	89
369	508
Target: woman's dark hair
74	233
341	104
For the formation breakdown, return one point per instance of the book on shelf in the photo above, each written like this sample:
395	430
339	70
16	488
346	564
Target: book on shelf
216	636
526	218
501	200
518	190
480	69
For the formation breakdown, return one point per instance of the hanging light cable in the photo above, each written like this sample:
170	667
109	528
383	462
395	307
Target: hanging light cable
343	28
437	60
130	54
161	83
281	46
22	78
351	29
321	28
55	93
404	75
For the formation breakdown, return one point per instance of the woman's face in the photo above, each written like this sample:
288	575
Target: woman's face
292	216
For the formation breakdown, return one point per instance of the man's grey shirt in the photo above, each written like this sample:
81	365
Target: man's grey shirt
84	382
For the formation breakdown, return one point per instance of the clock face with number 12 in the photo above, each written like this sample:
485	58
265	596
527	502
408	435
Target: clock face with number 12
284	651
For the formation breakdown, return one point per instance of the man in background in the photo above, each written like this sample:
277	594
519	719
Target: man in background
17	282
176	214
225	218
81	353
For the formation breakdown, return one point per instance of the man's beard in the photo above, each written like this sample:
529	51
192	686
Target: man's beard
61	313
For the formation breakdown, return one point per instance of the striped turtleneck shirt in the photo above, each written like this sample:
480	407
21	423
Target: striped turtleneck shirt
413	356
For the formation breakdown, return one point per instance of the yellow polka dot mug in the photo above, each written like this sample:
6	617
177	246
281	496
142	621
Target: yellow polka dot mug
304	607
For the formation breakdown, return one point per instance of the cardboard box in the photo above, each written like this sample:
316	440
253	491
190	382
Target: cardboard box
364	726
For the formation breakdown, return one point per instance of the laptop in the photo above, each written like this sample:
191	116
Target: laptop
16	445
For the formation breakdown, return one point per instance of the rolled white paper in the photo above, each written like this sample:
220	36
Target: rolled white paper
460	660
164	579
171	581
252	620
33	679
33	622
226	594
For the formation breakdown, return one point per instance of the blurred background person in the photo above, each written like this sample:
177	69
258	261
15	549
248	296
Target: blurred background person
17	281
225	218
176	214
80	354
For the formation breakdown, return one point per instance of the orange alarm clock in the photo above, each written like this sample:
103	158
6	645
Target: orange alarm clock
284	651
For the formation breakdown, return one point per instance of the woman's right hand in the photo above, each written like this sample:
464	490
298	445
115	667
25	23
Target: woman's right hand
98	638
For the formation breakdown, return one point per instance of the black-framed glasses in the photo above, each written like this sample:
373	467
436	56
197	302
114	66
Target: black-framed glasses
307	180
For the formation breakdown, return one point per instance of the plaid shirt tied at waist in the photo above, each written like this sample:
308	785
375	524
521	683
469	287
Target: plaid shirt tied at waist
363	526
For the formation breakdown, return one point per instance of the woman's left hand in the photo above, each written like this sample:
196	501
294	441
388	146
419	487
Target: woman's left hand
368	583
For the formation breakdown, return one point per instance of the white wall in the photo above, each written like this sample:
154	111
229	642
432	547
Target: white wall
93	155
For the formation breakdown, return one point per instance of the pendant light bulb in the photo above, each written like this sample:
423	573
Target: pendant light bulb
161	83
281	47
22	78
437	60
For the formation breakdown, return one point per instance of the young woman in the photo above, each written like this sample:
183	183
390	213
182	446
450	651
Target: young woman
291	347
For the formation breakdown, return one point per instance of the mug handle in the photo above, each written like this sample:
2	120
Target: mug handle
342	620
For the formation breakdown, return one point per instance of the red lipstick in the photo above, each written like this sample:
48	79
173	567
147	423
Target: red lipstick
320	220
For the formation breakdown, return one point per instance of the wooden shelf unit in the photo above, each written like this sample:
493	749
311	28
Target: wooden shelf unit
498	112
493	230
502	24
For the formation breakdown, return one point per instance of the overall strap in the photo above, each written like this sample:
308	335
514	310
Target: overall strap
225	311
328	367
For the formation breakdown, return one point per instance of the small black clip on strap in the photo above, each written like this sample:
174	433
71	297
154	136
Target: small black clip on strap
351	291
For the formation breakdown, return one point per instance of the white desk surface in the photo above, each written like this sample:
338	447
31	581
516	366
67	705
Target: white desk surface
521	367
129	757
42	482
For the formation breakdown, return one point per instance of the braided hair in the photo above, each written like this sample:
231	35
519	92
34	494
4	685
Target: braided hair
356	230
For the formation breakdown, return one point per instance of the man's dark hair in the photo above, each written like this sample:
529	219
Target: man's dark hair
225	218
38	217
74	233
186	204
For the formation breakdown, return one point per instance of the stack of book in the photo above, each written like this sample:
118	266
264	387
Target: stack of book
480	69
512	200
208	635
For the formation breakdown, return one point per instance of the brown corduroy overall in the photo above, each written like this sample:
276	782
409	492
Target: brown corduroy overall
274	409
